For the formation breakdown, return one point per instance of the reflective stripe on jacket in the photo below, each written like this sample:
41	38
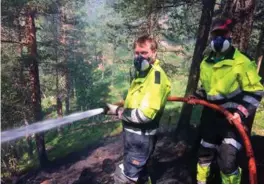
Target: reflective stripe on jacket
234	76
148	94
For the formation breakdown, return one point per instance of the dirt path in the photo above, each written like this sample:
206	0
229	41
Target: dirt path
173	162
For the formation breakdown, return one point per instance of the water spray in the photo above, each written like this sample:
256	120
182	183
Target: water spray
41	126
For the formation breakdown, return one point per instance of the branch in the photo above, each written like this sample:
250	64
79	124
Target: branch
13	42
177	5
24	43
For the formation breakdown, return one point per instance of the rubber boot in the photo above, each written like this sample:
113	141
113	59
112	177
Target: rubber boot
203	172
233	178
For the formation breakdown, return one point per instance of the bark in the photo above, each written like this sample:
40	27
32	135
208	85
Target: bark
59	112
59	98
261	70
219	8
241	12
13	42
201	42
114	58
150	19
67	70
35	85
260	52
29	141
68	91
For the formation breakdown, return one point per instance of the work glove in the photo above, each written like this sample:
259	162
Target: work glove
235	116
112	109
238	117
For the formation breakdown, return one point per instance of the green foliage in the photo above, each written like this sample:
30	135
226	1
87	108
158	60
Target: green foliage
14	91
85	55
258	125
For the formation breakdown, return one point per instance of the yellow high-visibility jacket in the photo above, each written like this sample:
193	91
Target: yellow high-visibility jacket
232	82
147	96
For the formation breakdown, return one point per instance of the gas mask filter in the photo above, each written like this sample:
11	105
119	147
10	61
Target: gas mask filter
141	63
220	44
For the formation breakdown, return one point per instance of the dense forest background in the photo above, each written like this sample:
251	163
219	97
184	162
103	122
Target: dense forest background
60	57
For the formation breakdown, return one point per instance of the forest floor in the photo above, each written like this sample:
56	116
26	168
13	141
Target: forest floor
173	162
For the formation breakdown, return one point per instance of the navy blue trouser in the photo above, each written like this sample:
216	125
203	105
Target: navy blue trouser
137	152
219	138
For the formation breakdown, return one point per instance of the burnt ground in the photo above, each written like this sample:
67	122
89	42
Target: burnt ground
173	162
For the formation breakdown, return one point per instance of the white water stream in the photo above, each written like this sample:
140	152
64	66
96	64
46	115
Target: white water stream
41	126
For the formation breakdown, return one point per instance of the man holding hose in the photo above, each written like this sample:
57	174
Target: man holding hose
229	78
141	113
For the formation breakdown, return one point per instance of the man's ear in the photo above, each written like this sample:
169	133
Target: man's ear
154	56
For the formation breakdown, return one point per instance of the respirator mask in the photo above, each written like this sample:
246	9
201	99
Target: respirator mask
141	63
220	44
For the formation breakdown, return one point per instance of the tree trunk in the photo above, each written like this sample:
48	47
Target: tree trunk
35	87
241	12
219	8
29	141
68	90
114	58
66	62
260	52
261	70
151	19
201	42
59	98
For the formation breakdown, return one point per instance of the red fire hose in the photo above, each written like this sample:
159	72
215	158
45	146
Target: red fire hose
249	151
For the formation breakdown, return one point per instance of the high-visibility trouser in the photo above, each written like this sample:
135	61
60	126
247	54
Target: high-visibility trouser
226	159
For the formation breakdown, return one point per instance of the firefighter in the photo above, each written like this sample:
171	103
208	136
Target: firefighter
141	113
229	78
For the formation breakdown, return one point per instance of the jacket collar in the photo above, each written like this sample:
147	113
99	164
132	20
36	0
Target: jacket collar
228	56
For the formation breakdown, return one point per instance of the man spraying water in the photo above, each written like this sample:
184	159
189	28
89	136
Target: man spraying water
141	113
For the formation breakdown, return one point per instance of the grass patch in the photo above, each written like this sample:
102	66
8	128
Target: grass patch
258	126
79	137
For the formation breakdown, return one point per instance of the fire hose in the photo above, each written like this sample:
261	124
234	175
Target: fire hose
52	123
238	125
